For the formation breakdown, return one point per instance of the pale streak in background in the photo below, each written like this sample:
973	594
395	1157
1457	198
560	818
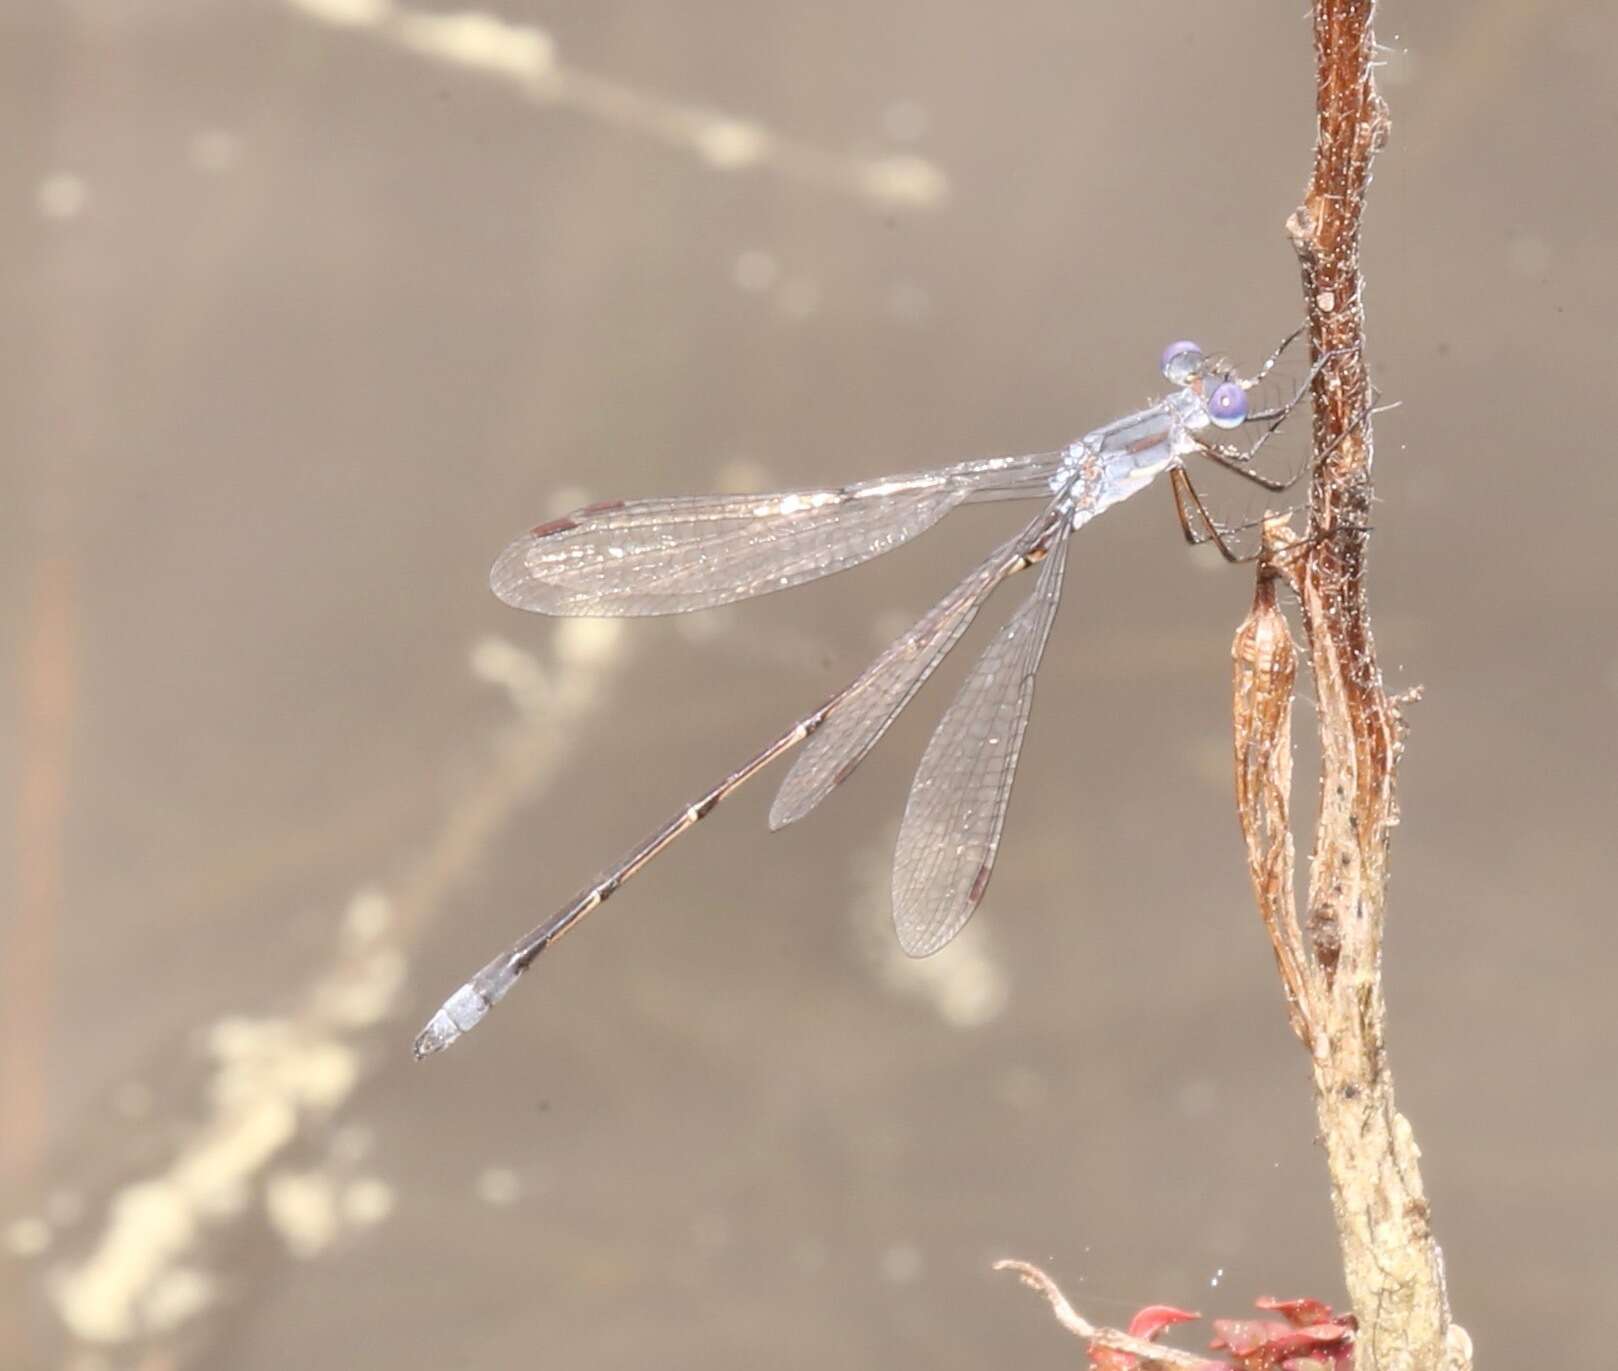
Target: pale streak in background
525	57
146	1272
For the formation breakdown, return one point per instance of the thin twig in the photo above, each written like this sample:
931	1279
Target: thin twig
1332	968
1152	1355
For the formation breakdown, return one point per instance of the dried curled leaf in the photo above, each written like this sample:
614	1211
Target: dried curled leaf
1264	674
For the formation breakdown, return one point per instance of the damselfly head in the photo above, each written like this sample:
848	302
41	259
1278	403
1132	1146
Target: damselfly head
1183	362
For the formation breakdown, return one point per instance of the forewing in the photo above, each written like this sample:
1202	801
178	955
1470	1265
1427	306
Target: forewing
875	700
671	555
951	827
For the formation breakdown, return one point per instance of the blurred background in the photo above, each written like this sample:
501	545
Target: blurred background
310	305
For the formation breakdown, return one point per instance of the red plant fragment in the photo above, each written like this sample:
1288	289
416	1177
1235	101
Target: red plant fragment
1302	1313
1153	1319
1148	1324
1311	1337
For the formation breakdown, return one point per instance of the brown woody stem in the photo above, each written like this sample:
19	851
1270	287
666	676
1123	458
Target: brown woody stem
1331	967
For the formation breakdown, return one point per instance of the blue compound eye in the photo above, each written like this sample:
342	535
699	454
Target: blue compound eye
1181	360
1227	406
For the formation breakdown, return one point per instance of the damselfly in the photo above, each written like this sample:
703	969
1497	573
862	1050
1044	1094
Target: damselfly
669	556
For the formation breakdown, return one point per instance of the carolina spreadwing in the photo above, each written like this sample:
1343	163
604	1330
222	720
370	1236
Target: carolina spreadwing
669	556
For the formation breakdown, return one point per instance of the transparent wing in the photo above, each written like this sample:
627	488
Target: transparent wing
672	555
952	821
875	700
